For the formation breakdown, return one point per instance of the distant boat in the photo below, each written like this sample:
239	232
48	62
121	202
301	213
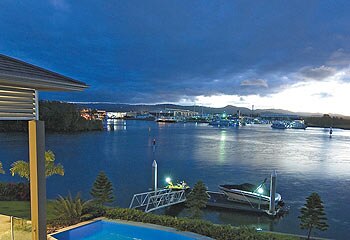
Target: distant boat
298	124
221	123
166	120
279	125
248	193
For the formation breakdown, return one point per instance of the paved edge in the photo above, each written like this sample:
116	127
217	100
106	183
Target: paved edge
138	224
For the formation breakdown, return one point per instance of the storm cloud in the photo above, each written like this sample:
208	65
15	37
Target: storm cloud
169	51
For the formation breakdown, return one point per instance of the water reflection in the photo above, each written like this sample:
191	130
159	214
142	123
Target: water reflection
115	124
222	146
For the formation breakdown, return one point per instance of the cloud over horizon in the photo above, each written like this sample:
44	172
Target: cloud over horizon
182	52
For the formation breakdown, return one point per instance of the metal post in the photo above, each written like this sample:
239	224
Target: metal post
36	105
272	209
37	179
155	172
12	230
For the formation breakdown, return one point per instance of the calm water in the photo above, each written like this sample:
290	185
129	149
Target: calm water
306	161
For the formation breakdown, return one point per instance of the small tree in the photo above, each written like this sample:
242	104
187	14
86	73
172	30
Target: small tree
197	199
313	215
102	189
21	167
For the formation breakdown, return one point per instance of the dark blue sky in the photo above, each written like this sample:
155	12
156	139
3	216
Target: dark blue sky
173	51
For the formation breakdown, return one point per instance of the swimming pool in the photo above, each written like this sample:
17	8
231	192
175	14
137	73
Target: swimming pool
109	230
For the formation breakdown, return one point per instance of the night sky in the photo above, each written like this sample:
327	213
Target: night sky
273	54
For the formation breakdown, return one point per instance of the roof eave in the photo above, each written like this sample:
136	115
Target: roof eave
40	84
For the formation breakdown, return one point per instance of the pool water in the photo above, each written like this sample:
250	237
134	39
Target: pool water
107	230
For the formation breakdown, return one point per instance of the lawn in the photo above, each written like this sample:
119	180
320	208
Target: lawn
21	209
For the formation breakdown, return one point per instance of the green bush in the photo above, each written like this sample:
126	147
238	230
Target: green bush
14	191
220	232
92	210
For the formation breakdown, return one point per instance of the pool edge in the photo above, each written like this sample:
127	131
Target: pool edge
138	224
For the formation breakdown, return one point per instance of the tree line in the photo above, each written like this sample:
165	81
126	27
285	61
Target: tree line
58	117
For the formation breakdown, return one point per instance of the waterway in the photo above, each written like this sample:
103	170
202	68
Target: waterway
306	161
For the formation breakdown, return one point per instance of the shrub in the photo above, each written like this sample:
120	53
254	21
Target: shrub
220	232
14	191
71	210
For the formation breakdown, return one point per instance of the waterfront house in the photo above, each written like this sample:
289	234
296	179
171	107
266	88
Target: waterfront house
20	83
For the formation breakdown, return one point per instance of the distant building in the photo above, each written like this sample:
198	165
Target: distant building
86	113
99	114
90	114
279	116
172	112
116	115
121	115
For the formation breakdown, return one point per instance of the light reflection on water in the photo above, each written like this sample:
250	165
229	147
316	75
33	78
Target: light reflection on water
306	161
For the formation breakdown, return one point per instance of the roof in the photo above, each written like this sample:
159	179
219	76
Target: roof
19	82
16	73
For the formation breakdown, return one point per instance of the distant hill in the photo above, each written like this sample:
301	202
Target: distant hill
157	107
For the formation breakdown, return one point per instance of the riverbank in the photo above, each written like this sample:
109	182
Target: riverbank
59	117
327	121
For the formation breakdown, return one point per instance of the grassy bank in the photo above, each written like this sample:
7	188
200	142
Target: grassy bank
21	209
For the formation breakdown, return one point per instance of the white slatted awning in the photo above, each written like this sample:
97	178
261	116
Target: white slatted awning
19	85
17	103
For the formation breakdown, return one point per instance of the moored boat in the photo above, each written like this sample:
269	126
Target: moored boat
279	125
298	124
178	186
166	120
248	193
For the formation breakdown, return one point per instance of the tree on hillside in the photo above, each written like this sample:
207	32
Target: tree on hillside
313	215
1	169
197	199
102	189
21	168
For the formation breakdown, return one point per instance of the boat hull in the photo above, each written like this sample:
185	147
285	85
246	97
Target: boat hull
248	197
166	120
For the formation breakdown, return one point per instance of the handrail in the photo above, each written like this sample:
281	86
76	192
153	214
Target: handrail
157	199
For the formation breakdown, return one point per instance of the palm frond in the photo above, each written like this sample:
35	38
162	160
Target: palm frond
20	168
1	169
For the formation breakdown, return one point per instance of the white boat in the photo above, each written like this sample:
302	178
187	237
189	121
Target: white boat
279	125
220	123
298	124
166	120
248	193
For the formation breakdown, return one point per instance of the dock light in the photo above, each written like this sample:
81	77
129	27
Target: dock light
260	190
168	179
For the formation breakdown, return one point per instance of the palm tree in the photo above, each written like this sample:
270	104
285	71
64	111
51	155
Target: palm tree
21	168
70	209
1	169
